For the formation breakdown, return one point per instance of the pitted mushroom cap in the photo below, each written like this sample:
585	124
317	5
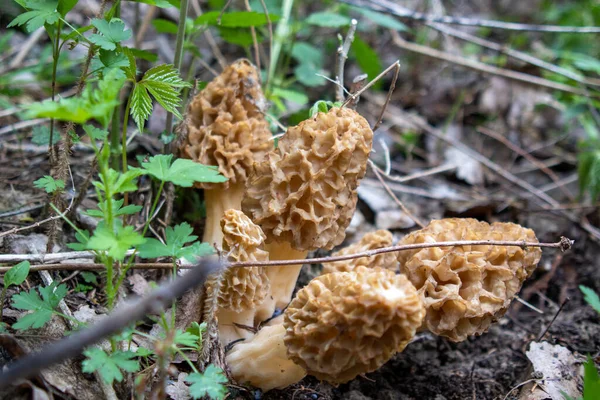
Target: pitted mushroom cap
243	288
304	192
370	241
225	126
466	288
343	324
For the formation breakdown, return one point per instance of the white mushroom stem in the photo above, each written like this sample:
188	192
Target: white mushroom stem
283	279
231	325
262	361
218	201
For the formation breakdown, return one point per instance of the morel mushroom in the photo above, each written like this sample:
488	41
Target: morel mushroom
343	324
241	289
466	288
225	127
303	194
263	362
370	241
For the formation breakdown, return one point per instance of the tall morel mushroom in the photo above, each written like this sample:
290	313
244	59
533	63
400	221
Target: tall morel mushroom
343	324
466	288
240	290
225	127
303	194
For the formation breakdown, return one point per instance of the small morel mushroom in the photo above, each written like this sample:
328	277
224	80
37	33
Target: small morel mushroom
343	324
263	362
370	241
466	288
303	194
225	127
240	289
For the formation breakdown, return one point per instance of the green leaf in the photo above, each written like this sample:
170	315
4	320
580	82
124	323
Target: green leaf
367	59
143	54
159	3
41	136
110	365
17	274
42	307
42	12
239	36
49	184
89	277
322	106
97	103
95	133
591	380
294	96
304	52
589	173
176	238
211	383
383	20
64	6
111	33
164	26
182	172
117	210
118	182
82	237
328	20
590	297
307	75
236	19
187	339
113	59
164	84
115	241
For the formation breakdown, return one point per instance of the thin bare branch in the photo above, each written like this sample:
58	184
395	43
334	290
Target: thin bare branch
394	9
342	56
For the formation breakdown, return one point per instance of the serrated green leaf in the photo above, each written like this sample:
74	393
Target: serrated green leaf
186	339
328	19
110	33
115	241
42	12
110	365
113	59
89	277
211	383
235	19
367	59
384	20
95	133
17	274
590	297
182	172
117	209
40	135
64	6
82	237
49	184
42	307
176	238
141	105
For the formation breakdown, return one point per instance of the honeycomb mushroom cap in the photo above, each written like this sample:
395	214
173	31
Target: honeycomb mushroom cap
224	124
304	192
370	241
466	288
243	288
343	324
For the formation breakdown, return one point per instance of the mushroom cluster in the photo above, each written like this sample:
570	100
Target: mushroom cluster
300	197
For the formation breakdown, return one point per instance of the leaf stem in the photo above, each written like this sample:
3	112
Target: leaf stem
55	55
124	134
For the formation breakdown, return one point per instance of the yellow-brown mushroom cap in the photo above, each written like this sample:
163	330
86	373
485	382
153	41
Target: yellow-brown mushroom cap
466	288
343	324
243	288
370	241
304	192
225	126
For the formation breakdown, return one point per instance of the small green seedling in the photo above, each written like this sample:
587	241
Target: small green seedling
14	276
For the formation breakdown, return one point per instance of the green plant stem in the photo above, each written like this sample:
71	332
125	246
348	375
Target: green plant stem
281	34
124	135
146	226
55	55
190	363
183	12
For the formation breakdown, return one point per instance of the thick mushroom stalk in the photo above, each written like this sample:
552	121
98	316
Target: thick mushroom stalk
263	362
225	127
343	324
370	241
240	289
466	288
303	194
